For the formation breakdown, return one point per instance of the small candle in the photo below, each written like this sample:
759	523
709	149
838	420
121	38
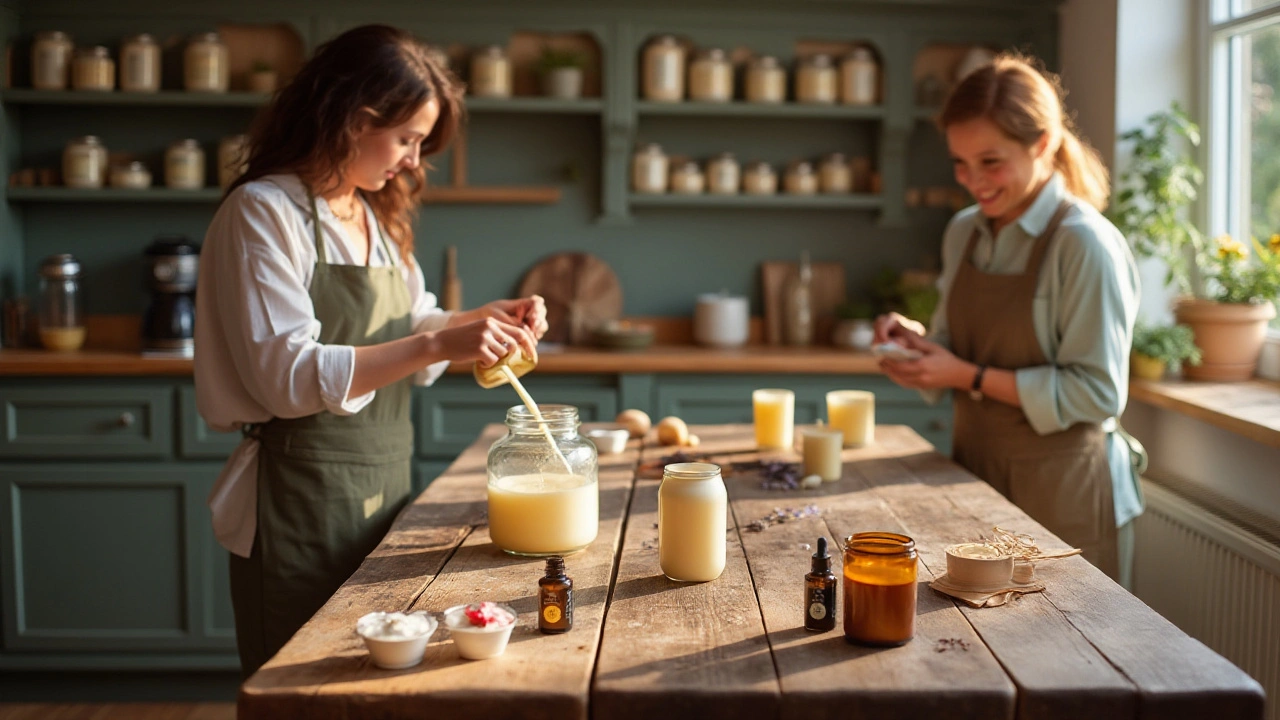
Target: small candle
853	412
821	449
774	412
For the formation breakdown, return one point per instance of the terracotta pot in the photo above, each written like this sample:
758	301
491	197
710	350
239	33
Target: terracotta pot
1146	367
1229	335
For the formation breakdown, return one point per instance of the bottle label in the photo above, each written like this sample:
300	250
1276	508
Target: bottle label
551	613
817	611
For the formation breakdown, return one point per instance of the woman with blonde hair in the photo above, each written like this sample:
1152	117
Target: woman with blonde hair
314	320
1039	293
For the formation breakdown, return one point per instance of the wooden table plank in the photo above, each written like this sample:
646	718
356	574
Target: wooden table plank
1121	641
821	674
680	650
325	672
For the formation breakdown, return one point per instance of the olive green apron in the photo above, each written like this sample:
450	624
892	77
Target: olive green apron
329	486
1063	479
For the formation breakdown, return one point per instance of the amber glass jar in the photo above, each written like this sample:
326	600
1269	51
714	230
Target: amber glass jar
879	589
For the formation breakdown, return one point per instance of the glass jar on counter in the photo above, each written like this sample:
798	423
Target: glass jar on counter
537	505
766	81
140	64
61	309
859	78
800	179
649	170
134	176
205	64
184	165
93	69
816	80
880	572
664	61
835	175
711	77
723	175
233	159
692	507
84	163
491	73
687	179
51	60
759	179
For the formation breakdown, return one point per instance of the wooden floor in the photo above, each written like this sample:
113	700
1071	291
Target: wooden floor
118	711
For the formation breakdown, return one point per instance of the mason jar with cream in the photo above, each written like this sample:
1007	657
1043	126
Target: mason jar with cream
140	64
664	66
766	81
51	61
84	163
93	69
692	510
184	165
649	170
711	77
723	175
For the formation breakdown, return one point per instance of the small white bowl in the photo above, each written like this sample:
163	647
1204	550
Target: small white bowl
394	653
476	643
609	440
977	565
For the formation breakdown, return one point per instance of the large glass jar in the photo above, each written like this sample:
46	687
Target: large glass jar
879	588
93	69
184	165
51	61
206	67
544	498
649	170
859	78
61	317
692	507
491	73
711	77
84	163
766	81
664	70
816	80
140	64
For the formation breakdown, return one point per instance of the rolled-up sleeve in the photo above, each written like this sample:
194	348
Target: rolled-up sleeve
270	324
427	316
1096	306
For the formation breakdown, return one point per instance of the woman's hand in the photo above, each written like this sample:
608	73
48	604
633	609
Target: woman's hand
529	312
896	327
484	341
939	368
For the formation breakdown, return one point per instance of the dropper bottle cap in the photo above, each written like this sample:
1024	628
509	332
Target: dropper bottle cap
821	560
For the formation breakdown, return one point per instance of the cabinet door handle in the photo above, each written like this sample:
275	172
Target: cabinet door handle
126	419
937	425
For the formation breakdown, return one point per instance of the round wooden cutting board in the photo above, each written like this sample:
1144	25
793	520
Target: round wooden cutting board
581	291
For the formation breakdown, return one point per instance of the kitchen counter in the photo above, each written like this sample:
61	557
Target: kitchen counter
655	359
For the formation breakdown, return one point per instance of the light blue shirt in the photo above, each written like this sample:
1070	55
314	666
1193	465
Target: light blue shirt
1085	306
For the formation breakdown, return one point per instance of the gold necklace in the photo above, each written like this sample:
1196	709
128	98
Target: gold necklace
349	217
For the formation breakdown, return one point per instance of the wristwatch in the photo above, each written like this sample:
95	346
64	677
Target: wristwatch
975	390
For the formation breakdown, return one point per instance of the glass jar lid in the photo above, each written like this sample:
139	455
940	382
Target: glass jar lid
818	61
765	62
557	418
63	266
691	471
885	544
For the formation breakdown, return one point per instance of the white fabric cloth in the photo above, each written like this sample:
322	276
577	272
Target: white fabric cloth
257	355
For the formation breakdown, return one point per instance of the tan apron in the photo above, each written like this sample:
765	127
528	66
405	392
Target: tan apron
329	486
1063	479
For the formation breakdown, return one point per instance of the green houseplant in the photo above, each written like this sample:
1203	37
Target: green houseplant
1227	297
1157	347
561	72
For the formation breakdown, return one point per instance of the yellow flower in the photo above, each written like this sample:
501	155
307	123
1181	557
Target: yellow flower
1274	243
1229	249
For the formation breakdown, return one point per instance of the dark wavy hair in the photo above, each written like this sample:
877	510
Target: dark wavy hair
373	74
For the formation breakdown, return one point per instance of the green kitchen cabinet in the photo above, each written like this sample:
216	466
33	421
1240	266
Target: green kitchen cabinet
127	420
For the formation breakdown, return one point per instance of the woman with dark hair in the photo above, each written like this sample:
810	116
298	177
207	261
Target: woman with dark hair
314	321
1039	293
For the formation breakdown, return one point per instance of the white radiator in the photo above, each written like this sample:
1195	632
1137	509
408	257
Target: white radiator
1213	569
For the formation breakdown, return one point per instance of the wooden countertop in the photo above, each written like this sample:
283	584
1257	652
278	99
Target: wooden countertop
1250	408
643	646
655	359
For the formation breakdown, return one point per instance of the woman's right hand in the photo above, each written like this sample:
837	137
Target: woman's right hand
484	341
894	326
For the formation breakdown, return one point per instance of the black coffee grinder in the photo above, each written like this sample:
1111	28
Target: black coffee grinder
168	327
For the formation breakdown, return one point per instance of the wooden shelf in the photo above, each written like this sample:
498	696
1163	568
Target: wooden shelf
164	98
496	195
762	110
810	202
153	194
535	105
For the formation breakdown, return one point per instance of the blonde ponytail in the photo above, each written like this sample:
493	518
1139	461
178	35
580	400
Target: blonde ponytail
1082	170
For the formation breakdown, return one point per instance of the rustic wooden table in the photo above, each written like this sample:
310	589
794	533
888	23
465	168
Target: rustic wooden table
646	647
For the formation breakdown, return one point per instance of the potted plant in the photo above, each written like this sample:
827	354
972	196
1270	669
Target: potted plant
1228	297
1157	347
561	72
262	78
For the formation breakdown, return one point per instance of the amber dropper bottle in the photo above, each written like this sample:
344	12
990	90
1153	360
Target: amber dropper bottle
820	592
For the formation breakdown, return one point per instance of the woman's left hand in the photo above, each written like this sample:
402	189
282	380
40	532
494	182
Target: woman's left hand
939	368
530	312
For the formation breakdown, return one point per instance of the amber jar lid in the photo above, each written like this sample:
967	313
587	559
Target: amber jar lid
883	544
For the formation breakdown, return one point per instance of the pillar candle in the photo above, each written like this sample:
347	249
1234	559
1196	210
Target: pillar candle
821	449
774	412
853	412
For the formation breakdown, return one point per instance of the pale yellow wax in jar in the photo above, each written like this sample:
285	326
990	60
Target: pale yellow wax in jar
821	450
853	412
544	514
691	529
65	339
774	415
